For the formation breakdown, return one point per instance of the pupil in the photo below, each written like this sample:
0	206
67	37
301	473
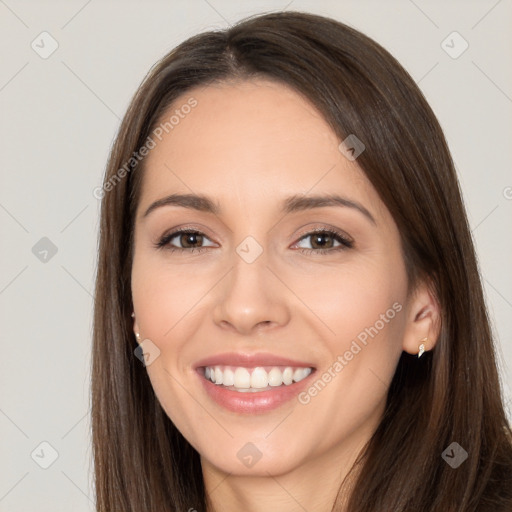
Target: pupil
190	238
318	240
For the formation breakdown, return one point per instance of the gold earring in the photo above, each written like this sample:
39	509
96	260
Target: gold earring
422	348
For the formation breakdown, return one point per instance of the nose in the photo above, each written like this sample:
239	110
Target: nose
251	299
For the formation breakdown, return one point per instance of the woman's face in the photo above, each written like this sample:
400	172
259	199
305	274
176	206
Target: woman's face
276	284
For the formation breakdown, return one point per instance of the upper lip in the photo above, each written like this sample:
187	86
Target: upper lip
251	360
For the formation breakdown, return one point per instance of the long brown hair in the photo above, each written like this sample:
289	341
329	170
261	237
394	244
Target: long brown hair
452	394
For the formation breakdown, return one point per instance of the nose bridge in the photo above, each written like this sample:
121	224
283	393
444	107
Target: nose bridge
250	295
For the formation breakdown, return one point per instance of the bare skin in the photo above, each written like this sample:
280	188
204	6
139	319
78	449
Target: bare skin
248	146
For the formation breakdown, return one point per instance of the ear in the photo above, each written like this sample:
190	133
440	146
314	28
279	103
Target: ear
423	320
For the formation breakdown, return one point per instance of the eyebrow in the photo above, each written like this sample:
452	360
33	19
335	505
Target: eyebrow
291	204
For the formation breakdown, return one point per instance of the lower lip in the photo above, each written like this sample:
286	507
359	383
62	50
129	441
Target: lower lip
253	402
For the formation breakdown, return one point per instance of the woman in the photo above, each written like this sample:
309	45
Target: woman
289	314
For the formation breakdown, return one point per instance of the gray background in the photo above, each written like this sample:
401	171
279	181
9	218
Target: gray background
59	116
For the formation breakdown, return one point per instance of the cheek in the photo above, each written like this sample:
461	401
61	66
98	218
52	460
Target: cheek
164	299
362	309
165	296
348	299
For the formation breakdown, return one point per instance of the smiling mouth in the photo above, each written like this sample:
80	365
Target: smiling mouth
254	380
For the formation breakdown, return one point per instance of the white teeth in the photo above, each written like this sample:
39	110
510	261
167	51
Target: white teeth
301	373
259	378
229	377
242	378
254	379
287	376
275	377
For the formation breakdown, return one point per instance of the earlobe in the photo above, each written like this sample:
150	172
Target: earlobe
422	323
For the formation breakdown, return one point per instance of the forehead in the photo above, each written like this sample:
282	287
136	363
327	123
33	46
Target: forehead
252	140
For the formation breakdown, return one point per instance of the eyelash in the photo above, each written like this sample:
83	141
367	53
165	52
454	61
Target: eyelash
346	243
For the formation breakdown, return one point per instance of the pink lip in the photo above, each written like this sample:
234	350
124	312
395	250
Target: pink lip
250	360
251	403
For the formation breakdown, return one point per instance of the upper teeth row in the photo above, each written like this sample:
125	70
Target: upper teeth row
240	377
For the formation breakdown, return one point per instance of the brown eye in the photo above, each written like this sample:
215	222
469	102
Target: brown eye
325	241
321	241
184	240
188	240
